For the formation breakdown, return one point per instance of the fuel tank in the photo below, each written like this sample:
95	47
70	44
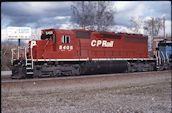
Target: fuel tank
100	67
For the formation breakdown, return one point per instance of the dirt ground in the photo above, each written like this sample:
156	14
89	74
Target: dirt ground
145	94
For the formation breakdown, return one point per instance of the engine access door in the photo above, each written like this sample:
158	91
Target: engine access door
84	48
84	43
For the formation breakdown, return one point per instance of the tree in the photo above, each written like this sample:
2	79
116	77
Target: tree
36	31
105	15
93	15
6	53
36	34
136	24
6	47
150	26
153	26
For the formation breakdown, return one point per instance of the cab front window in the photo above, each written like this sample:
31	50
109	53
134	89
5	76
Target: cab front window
48	35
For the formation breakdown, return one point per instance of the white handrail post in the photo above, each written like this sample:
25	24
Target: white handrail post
12	57
159	58
32	58
163	57
167	57
26	56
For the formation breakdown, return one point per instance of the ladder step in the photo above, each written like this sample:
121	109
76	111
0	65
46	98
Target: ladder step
29	63
28	68
29	72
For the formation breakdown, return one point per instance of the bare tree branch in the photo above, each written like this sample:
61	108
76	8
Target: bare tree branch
93	15
140	23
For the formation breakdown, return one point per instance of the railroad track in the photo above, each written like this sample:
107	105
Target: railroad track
51	85
7	78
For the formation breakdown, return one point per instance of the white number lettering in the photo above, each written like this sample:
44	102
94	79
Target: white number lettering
99	42
67	47
60	47
71	47
102	43
64	47
93	43
49	32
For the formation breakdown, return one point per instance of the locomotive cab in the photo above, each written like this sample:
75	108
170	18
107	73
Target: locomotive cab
163	55
55	45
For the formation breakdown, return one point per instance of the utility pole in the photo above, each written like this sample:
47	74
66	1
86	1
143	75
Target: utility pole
18	48
152	34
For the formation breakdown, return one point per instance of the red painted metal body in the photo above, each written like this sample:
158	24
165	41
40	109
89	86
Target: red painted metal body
88	45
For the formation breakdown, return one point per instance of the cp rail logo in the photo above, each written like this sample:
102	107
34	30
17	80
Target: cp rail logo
102	43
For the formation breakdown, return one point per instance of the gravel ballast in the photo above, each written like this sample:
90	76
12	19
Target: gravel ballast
152	95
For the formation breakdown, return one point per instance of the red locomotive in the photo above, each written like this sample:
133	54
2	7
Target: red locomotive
75	52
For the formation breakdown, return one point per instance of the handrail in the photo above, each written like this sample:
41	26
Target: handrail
31	58
163	56
12	56
159	58
17	53
26	56
167	57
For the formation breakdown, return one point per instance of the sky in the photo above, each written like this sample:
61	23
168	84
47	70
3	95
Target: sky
44	15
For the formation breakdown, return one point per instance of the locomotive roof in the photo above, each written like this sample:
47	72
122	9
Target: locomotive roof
60	31
165	42
101	32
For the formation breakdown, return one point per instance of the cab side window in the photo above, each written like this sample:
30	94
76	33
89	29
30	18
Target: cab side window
65	39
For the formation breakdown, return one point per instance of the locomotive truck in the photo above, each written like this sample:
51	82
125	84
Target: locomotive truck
74	52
